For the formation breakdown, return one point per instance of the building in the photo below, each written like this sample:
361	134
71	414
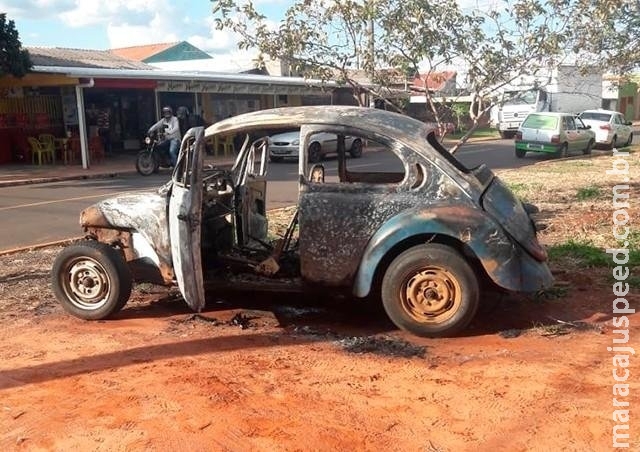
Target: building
71	90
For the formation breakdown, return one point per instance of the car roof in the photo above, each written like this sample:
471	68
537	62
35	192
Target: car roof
393	125
553	114
600	110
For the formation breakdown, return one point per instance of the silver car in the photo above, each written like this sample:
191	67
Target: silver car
611	128
287	145
553	133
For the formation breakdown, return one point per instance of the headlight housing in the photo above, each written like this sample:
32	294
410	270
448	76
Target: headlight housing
147	140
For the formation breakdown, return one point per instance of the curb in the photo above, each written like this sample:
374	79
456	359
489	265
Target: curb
44	180
40	246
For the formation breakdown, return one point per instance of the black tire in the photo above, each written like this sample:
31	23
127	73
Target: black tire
315	152
520	153
589	148
629	140
276	159
146	163
433	271
91	280
613	143
356	149
564	151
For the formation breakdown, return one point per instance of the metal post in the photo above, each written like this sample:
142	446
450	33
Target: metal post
82	124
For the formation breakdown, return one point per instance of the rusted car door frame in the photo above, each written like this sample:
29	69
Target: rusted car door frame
185	215
250	177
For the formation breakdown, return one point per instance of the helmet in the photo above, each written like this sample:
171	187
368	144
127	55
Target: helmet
167	110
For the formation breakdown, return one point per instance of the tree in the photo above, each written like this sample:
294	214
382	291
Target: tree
496	45
606	33
14	59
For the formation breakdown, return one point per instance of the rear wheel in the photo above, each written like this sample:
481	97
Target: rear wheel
91	280
356	149
430	290
613	142
146	163
520	153
588	149
564	151
315	152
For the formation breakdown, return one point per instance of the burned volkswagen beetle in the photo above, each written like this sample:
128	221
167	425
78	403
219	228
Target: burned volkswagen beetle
426	237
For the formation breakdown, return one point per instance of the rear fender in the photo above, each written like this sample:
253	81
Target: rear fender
497	252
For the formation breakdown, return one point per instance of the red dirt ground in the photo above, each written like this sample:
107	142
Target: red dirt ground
304	376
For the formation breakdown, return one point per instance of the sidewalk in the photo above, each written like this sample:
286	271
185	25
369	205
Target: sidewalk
115	165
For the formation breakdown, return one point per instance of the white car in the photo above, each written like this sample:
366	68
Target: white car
287	145
610	127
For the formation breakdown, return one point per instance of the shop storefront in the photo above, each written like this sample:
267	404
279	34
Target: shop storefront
29	107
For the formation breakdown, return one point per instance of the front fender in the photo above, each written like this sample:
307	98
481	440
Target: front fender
503	259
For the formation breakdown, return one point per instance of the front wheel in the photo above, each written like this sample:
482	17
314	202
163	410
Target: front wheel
91	280
629	140
430	291
520	153
146	163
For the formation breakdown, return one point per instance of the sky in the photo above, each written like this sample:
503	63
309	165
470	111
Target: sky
105	24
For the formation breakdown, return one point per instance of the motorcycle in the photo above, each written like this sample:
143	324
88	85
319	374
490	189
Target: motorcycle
155	156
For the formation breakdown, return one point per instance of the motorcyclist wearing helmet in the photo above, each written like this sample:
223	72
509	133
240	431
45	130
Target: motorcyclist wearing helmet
172	134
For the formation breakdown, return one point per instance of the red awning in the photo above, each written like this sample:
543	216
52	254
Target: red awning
125	83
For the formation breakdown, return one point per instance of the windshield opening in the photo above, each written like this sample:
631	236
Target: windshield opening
528	97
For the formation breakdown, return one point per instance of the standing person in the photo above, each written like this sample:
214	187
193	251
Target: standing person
184	119
104	129
171	128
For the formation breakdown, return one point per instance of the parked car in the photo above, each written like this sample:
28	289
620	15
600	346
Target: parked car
425	240
610	127
287	145
555	133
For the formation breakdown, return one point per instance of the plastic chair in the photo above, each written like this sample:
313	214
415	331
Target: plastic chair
48	140
224	145
96	149
40	150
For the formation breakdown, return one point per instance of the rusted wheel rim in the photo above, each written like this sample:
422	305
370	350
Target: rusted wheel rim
86	283
431	295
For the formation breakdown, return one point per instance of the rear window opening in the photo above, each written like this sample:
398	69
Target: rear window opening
542	122
604	117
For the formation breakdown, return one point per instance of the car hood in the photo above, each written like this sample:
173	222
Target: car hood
286	137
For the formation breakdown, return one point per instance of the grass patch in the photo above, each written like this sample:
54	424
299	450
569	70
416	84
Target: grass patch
524	191
585	254
582	253
589	192
481	132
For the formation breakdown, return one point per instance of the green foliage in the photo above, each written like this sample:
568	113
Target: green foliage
589	192
14	59
584	254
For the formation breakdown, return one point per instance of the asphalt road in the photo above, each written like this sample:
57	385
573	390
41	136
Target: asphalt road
42	213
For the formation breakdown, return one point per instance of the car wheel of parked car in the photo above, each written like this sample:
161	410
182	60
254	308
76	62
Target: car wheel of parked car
315	152
629	140
588	149
520	153
91	280
356	149
564	151
613	142
430	290
275	159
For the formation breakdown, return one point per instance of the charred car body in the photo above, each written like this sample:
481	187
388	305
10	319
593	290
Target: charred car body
426	239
